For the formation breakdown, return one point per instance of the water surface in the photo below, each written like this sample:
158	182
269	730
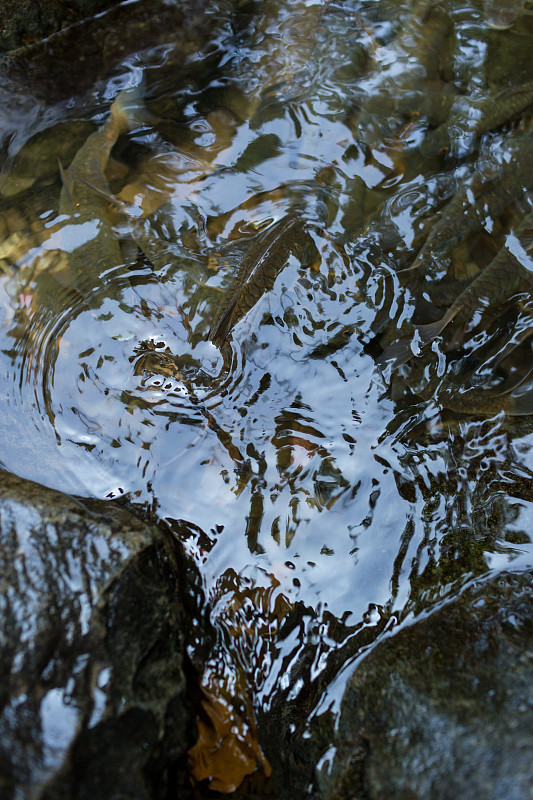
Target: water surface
327	494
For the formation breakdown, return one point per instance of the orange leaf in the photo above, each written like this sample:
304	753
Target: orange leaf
227	748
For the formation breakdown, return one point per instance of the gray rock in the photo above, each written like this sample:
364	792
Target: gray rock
444	708
93	693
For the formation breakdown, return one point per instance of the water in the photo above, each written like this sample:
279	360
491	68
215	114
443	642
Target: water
323	495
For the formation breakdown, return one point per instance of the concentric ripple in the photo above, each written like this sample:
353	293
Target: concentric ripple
324	491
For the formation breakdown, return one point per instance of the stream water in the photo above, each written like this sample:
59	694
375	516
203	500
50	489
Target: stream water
324	492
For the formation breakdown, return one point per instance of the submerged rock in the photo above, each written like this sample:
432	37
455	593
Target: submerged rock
93	693
444	708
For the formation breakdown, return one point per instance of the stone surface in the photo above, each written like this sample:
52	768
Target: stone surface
93	693
444	708
23	21
79	58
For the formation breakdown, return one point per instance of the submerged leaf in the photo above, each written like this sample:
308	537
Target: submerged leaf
227	749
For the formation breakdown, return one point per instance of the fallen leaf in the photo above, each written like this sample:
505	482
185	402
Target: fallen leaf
227	748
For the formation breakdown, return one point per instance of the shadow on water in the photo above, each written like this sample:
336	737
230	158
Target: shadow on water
306	342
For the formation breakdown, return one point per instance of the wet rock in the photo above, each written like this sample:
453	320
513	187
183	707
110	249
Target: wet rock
444	708
23	21
93	693
76	60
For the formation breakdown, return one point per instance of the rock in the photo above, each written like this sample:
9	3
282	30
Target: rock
23	21
77	60
444	708
93	693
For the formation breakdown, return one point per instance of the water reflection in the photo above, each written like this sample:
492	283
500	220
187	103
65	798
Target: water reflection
338	466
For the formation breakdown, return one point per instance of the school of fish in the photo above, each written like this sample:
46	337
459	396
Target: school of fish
413	92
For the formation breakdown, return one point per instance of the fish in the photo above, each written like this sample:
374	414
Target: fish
162	175
284	40
99	255
507	104
412	86
157	250
427	38
459	390
260	267
486	404
475	203
500	279
421	44
493	112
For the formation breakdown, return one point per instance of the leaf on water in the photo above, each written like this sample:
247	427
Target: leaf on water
227	748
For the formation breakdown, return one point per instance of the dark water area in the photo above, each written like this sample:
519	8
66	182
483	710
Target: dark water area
334	459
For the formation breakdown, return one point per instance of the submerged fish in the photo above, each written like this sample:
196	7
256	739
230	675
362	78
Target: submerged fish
475	204
421	46
156	249
493	112
261	265
487	404
163	175
507	272
284	39
504	106
412	85
459	390
100	253
427	38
